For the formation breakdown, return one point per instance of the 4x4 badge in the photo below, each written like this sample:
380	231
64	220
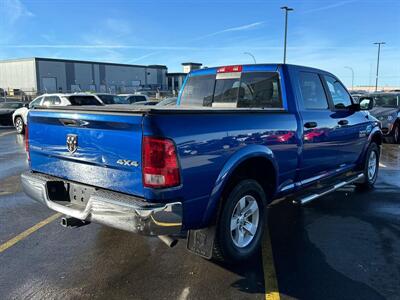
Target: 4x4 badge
72	142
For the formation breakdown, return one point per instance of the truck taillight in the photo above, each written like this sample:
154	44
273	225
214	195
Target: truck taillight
229	69
159	163
27	142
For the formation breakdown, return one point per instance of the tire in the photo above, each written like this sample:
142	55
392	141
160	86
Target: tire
370	169
19	125
241	243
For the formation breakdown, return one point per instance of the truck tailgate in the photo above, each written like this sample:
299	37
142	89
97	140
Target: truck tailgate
104	148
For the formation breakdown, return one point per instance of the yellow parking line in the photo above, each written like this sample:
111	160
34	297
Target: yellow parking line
28	232
270	281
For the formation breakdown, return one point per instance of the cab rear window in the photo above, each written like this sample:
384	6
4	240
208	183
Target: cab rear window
242	90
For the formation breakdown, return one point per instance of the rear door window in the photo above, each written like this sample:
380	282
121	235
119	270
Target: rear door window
312	91
49	100
340	97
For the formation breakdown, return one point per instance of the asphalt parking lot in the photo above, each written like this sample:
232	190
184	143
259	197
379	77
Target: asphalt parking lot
344	246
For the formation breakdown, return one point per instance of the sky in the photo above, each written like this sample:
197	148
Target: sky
327	34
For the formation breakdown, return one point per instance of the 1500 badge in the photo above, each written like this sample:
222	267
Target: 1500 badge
127	162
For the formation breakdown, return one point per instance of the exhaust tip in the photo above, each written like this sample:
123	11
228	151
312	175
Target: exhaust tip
64	221
170	242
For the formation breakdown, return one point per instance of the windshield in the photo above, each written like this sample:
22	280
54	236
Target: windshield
386	101
10	105
113	99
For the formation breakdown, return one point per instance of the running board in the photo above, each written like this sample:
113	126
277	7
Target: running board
309	198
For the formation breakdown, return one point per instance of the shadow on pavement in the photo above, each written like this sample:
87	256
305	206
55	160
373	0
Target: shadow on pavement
339	247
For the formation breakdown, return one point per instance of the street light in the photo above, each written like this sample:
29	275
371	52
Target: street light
248	53
287	9
352	76
377	64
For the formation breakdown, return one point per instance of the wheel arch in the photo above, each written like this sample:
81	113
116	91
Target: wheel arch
256	162
375	136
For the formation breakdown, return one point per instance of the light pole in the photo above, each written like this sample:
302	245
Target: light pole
248	53
377	64
352	76
287	9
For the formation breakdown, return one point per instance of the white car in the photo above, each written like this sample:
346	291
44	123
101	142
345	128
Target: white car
20	115
132	98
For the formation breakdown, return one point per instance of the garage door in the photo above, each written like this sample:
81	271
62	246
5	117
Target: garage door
49	84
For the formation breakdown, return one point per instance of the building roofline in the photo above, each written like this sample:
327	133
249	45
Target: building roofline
176	73
83	61
17	59
191	64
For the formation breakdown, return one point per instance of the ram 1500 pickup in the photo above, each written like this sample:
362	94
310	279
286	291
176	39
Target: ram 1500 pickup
238	138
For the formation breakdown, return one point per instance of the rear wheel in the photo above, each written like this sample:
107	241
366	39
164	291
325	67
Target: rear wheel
19	125
241	223
371	167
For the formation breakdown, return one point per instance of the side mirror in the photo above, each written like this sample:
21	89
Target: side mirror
26	105
355	107
366	103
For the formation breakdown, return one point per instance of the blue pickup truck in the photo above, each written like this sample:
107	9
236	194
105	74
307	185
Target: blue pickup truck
238	138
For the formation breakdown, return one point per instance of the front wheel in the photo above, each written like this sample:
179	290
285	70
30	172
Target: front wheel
241	223
371	167
19	125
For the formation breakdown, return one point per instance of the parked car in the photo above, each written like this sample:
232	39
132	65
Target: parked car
146	103
209	166
19	117
110	99
132	98
168	102
386	108
6	111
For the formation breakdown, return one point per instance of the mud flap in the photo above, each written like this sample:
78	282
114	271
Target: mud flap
201	241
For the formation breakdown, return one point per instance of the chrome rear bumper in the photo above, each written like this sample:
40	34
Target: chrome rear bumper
109	208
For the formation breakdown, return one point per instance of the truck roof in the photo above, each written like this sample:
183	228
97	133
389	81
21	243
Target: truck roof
257	67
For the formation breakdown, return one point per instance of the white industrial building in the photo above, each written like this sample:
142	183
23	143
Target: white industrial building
38	75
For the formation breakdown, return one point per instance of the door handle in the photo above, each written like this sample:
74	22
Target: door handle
343	122
310	124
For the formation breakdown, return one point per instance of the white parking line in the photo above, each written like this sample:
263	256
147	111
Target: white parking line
6	133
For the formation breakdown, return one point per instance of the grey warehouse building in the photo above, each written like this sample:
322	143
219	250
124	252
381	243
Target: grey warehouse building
39	75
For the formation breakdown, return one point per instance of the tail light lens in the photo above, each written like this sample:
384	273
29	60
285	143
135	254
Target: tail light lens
159	163
27	142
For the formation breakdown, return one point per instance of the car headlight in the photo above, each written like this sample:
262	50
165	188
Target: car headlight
390	118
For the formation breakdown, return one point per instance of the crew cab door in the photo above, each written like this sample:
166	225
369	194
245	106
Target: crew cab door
330	133
351	127
319	151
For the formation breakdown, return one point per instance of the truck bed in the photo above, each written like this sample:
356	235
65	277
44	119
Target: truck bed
133	109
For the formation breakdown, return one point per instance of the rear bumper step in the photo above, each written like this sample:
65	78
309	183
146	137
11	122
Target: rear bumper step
308	198
109	208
